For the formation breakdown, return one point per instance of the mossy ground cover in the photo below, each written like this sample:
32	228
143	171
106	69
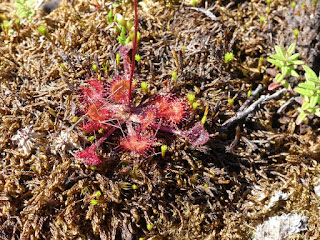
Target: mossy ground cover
217	191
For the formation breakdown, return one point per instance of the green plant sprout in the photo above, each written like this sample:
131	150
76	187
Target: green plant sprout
314	6
310	92
118	59
195	105
286	61
110	17
94	202
191	98
24	9
5	27
228	57
44	32
137	58
145	88
175	77
149	227
296	33
164	149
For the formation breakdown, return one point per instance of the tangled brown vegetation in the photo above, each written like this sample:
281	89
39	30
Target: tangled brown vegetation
212	192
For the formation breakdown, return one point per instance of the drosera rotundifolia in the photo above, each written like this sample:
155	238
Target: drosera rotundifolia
108	106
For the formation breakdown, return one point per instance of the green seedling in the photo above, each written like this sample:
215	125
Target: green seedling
137	57
134	187
120	19
75	119
228	57
5	27
164	149
296	33
43	31
314	6
129	25
110	17
98	194
230	102
204	118
118	59
105	67
149	227
175	78
94	202
293	5
95	68
286	61
260	64
91	138
63	66
262	22
145	88
310	92
131	35
191	98
195	105
17	24
24	9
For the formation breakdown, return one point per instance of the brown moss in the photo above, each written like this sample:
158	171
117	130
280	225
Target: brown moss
190	194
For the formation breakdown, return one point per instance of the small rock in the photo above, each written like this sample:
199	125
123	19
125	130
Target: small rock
49	6
281	227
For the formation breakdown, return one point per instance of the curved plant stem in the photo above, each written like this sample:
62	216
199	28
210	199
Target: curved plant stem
133	50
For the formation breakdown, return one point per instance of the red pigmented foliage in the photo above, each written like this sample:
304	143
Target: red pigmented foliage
137	144
119	90
89	156
93	93
108	106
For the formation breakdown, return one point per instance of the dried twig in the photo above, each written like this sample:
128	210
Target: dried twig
287	103
205	11
242	114
252	96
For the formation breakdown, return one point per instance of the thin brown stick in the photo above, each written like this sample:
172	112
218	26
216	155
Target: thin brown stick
242	114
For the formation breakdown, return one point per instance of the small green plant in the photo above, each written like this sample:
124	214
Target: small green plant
314	5
164	149
137	57
175	78
228	57
149	227
5	27
44	32
310	92
145	88
286	61
191	98
24	9
296	33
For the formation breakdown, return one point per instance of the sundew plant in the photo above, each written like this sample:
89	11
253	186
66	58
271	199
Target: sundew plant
108	106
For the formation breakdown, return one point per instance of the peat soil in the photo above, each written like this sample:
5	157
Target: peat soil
223	190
